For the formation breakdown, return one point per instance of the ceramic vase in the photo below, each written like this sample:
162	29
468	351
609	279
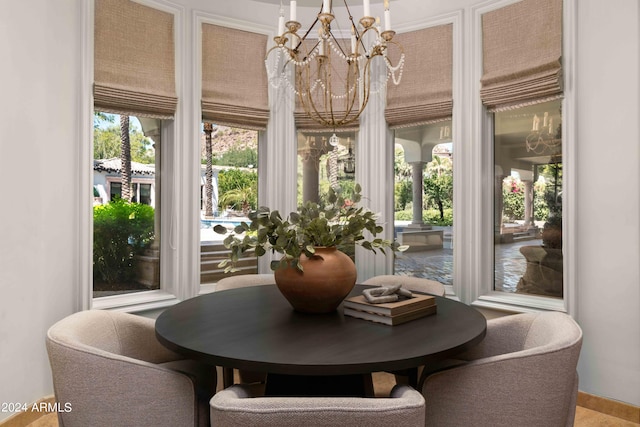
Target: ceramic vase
328	277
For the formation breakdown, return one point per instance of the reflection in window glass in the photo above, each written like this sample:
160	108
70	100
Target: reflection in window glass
423	201
126	246
528	200
228	192
324	163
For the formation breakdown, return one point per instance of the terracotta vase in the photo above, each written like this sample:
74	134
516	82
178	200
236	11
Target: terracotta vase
327	279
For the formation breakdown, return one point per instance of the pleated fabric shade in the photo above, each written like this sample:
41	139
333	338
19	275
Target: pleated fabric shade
134	64
424	94
522	54
234	78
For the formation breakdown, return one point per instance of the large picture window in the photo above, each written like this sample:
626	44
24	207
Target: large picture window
528	200
228	191
126	215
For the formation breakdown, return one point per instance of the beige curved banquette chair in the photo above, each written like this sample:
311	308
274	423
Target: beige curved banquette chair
522	374
112	370
235	407
417	284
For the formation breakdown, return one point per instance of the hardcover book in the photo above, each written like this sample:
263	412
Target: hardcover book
392	320
418	301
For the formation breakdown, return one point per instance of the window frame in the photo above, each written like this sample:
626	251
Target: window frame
473	176
171	134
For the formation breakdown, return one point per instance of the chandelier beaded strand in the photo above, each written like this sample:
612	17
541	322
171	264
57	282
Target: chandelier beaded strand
332	97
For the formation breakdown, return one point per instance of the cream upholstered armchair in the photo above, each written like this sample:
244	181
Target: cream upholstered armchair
414	284
234	407
522	374
417	284
111	369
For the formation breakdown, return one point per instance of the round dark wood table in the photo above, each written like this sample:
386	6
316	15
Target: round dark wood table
255	329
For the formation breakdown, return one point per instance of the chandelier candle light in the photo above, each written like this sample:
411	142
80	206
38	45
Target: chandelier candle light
332	86
543	139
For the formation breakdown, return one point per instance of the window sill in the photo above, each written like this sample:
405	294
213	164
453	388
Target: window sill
135	302
519	303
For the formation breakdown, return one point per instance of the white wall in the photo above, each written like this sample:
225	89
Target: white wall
39	75
608	228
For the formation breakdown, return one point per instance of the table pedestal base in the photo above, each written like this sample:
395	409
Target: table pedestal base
323	385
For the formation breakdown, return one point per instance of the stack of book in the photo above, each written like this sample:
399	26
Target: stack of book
390	313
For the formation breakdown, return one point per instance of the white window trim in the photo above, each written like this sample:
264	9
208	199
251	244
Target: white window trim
172	139
481	238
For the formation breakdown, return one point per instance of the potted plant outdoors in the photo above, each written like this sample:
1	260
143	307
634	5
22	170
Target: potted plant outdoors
314	273
544	272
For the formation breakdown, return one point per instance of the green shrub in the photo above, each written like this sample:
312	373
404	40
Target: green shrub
243	186
121	230
430	216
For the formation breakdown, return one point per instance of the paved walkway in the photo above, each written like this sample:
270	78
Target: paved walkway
438	264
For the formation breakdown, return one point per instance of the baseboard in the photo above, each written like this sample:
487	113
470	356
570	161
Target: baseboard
609	407
36	410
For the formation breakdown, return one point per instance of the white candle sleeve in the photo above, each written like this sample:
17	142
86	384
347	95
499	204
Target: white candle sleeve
293	12
387	20
367	7
326	6
281	25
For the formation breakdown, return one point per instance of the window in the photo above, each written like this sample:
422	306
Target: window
322	165
229	190
528	200
423	201
135	100
126	246
522	88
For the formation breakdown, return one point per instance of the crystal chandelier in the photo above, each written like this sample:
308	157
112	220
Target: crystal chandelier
543	137
332	83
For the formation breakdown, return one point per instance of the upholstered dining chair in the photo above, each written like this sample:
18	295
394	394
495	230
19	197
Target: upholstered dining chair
241	281
414	284
234	407
417	284
522	374
111	369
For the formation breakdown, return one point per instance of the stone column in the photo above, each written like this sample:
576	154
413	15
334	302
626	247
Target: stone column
498	207
417	184
310	171
528	203
157	192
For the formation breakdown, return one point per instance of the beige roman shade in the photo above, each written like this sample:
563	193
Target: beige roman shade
134	60
338	70
234	78
424	94
522	52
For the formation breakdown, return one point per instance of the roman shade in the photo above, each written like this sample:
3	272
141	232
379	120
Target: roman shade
234	78
522	52
134	66
338	71
424	94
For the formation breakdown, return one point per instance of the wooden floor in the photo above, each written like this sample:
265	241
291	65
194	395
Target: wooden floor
382	383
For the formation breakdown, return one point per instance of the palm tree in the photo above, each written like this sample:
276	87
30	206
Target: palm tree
239	196
208	186
125	158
